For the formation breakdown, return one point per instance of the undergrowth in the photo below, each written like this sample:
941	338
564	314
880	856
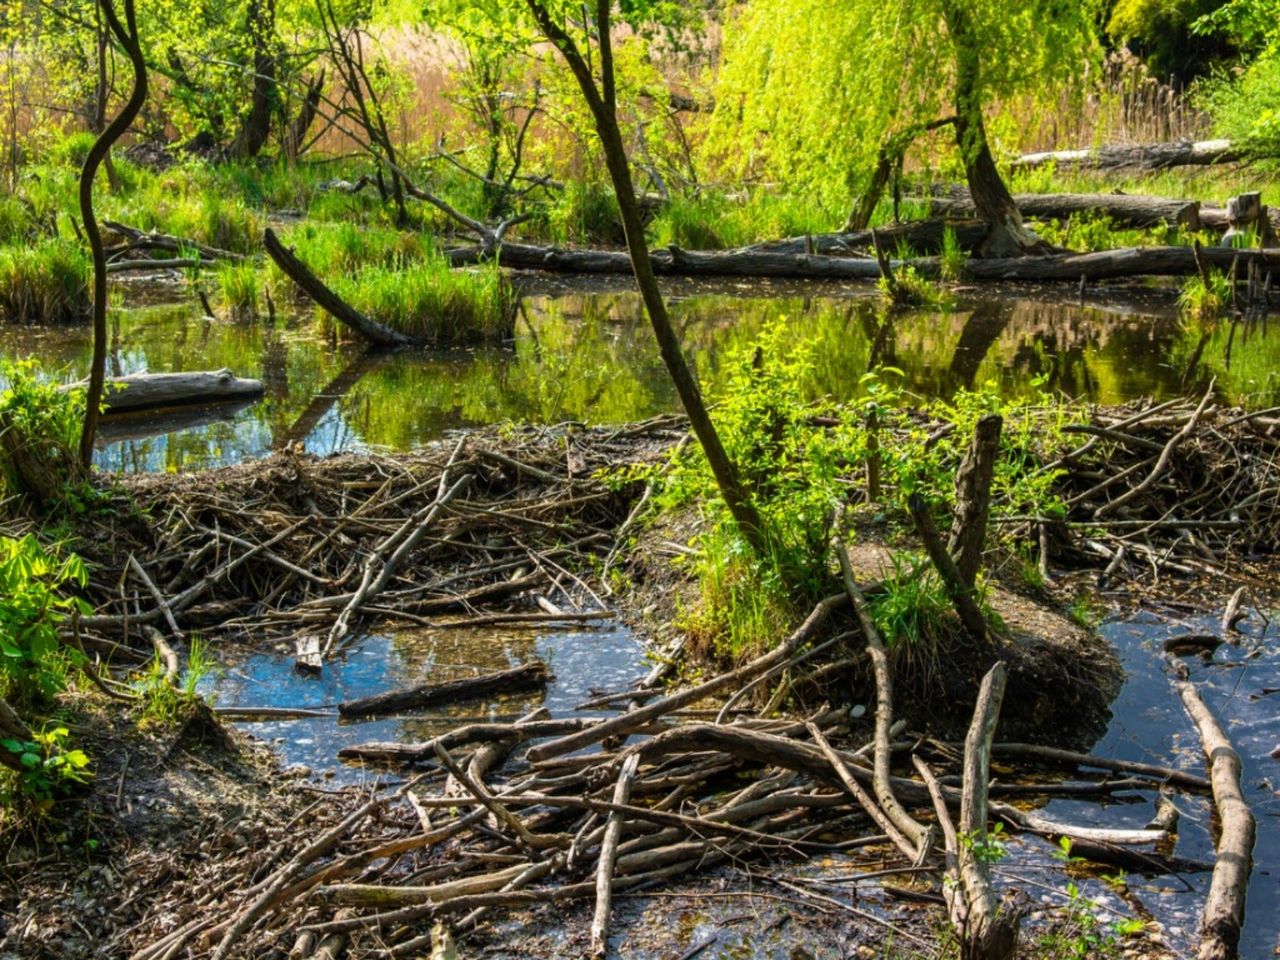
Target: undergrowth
799	473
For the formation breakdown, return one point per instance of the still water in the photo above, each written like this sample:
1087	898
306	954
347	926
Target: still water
590	357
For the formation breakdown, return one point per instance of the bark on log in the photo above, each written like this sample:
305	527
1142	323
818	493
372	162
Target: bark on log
1150	156
1123	209
1102	265
924	236
529	676
1223	916
148	391
329	301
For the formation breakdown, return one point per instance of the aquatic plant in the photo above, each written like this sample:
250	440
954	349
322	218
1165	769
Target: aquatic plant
1205	302
432	302
44	282
241	285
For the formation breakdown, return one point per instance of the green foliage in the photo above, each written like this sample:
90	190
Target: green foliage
33	584
49	769
1245	103
870	72
45	422
44	282
585	213
987	846
797	474
714	221
1082	935
1162	32
911	612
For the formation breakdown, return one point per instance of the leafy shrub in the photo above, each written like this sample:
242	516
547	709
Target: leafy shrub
42	423
48	768
33	584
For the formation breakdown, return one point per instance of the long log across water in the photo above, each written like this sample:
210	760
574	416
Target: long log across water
1147	156
746	262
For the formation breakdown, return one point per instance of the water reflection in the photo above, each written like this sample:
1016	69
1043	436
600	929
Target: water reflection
590	357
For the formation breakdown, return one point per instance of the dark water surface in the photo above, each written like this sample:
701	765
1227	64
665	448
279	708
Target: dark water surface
590	357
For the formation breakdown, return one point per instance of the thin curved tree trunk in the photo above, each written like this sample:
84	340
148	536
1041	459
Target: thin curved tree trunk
602	101
126	35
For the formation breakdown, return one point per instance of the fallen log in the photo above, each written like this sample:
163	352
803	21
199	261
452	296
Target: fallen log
1124	210
745	262
529	676
1223	915
330	302
149	391
1149	156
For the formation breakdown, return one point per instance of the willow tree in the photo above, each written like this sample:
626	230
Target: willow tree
815	94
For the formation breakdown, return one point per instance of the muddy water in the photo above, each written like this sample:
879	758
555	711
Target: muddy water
589	356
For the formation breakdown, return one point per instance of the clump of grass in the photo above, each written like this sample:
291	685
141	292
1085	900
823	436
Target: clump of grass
241	288
434	303
952	261
165	703
44	282
17	222
1204	302
714	221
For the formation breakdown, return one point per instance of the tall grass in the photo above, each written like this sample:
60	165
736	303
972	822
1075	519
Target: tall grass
434	303
241	286
714	221
45	282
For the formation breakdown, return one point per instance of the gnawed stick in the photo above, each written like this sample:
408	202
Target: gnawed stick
988	933
156	595
641	715
524	835
371	586
608	854
907	846
1232	614
902	821
1223	915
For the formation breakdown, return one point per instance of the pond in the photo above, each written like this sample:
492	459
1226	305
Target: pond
589	356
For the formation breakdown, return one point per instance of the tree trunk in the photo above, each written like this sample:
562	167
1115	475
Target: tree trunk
1149	156
129	40
602	102
256	126
1008	236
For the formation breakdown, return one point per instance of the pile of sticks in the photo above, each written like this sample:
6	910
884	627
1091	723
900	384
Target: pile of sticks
1178	487
508	817
297	549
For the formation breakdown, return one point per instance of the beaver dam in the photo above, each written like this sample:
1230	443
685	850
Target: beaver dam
830	789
